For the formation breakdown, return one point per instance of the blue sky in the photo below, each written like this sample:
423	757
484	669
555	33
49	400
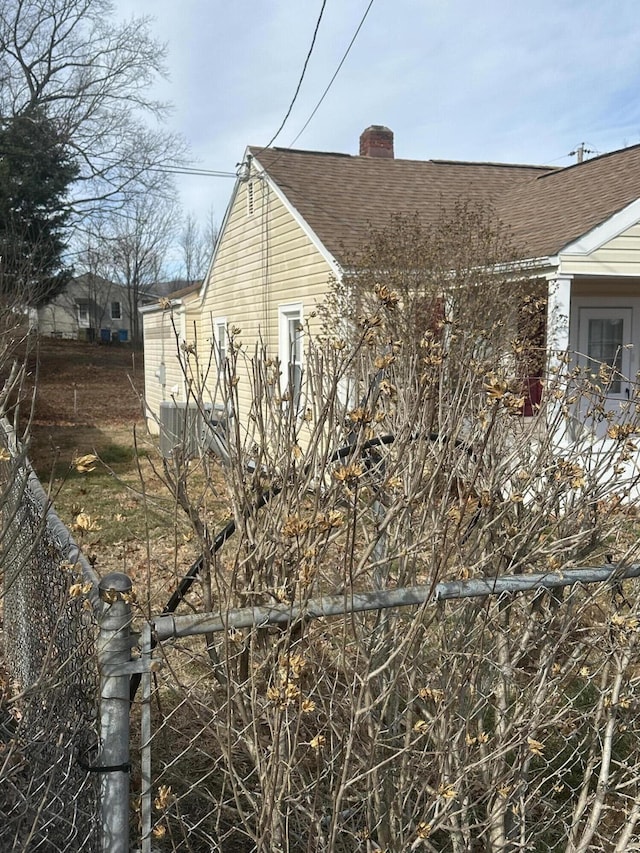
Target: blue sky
499	81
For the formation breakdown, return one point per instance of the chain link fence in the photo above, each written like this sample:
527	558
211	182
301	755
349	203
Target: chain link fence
494	716
49	688
418	639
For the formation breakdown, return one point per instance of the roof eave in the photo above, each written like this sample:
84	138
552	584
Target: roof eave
607	230
168	304
540	263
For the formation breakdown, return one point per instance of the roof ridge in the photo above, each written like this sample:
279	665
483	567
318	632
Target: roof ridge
437	160
305	151
493	163
574	166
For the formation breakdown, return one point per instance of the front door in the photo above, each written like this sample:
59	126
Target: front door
604	337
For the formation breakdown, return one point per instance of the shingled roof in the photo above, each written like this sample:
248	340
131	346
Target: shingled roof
342	197
557	208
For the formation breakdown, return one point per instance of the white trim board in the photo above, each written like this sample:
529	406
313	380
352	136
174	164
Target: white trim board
612	227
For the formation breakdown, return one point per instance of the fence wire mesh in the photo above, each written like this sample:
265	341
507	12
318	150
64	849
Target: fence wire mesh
506	722
49	692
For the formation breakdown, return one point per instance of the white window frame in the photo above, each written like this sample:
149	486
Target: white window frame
221	340
82	310
119	314
288	313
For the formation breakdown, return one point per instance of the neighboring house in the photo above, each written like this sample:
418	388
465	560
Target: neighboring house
90	309
295	216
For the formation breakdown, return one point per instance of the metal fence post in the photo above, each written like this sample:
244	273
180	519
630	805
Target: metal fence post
114	655
145	738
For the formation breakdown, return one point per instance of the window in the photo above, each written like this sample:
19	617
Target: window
83	314
603	335
220	339
604	346
291	351
116	311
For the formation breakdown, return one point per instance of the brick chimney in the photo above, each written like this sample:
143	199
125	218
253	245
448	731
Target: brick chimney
376	141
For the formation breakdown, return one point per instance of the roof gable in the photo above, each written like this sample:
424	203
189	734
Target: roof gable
606	231
556	209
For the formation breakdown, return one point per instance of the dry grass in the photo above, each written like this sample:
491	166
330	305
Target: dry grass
88	402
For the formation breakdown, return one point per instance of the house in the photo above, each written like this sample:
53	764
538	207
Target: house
295	216
90	309
163	333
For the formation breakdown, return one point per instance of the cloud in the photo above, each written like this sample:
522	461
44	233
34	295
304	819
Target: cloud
461	79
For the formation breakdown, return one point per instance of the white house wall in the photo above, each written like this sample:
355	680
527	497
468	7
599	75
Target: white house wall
59	318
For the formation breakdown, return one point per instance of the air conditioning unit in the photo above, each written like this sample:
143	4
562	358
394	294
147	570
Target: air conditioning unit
182	426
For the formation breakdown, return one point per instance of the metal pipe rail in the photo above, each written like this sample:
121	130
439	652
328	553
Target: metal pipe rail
169	625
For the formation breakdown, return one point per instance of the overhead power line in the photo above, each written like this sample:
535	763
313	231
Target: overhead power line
326	91
187	170
337	71
172	170
304	71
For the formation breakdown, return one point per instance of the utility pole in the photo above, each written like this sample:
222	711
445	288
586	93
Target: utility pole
580	151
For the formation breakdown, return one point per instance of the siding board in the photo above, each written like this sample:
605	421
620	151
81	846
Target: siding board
620	256
263	261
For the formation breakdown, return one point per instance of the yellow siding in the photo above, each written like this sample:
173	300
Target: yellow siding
620	256
165	359
263	261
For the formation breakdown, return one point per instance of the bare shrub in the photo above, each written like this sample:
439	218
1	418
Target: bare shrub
498	723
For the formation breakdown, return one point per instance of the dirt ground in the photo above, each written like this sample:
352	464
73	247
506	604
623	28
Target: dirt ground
88	400
87	396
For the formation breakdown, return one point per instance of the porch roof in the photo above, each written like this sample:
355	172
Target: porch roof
555	209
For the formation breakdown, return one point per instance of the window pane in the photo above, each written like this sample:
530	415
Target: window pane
291	354
295	340
605	347
221	338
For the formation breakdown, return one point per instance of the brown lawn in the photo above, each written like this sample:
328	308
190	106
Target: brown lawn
88	401
87	396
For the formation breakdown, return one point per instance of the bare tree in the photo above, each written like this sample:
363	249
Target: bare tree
197	246
91	76
137	244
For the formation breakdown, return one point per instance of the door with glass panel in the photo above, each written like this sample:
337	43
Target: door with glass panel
604	338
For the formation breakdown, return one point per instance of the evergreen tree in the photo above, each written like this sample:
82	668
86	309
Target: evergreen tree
36	170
